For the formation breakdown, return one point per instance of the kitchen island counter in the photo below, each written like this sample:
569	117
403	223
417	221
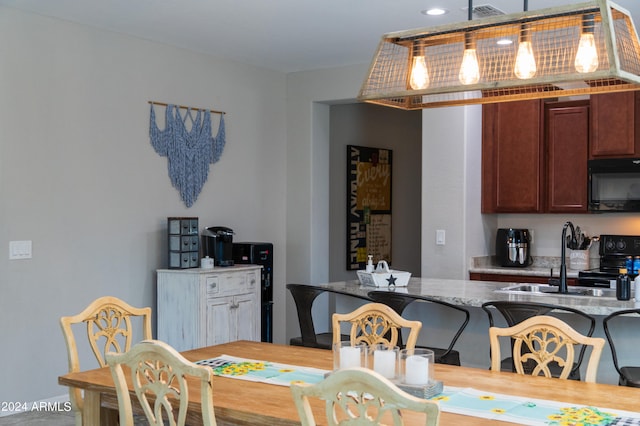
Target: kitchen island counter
475	293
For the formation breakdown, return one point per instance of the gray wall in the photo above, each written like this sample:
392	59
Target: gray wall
79	178
378	127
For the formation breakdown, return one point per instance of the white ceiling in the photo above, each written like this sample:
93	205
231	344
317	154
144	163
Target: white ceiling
285	35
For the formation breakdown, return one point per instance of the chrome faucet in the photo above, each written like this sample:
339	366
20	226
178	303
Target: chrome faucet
563	261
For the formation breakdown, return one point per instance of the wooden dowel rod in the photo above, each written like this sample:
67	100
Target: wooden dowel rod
187	107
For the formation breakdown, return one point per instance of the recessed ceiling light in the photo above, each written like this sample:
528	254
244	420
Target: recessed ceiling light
436	11
504	41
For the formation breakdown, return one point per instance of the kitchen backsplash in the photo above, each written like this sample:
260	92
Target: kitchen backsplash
546	262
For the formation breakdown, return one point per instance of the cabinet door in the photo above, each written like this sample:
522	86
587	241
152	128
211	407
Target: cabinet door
232	318
220	320
567	136
512	157
613	126
247	314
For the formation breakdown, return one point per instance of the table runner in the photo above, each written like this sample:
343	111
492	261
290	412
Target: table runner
464	401
529	411
263	371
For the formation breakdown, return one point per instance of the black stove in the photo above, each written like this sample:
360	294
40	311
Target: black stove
614	250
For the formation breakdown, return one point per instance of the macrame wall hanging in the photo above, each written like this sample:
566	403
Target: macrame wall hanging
189	146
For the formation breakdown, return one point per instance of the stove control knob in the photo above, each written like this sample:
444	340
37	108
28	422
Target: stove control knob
609	245
621	245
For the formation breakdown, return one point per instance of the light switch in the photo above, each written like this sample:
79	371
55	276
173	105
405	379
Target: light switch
440	237
19	250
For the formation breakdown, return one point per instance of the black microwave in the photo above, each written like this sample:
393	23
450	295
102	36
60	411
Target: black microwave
614	185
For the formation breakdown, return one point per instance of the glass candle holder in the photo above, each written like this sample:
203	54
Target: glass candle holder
416	366
385	360
346	355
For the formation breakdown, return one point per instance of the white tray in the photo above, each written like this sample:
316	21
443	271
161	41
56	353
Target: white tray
384	279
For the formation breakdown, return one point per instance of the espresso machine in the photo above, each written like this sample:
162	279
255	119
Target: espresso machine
217	243
513	247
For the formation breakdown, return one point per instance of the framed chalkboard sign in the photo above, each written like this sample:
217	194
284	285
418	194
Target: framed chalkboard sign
368	205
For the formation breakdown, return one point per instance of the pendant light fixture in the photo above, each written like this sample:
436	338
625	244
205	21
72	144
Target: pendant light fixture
587	56
469	70
566	50
419	76
525	67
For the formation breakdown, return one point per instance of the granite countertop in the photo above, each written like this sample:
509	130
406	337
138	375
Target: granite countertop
542	266
475	293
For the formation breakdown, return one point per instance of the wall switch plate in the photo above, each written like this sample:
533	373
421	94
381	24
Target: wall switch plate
440	234
19	250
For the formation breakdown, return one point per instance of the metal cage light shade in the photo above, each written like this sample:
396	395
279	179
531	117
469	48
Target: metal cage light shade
562	51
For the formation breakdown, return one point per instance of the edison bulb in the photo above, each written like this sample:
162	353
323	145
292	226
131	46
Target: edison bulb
525	62
587	56
419	78
469	70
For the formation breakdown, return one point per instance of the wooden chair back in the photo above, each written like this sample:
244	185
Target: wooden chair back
159	378
514	312
359	396
376	323
547	339
108	328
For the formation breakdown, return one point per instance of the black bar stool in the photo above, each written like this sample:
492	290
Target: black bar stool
629	375
304	296
399	301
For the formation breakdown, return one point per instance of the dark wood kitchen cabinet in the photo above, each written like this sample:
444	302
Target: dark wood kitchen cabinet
534	157
615	131
566	140
512	157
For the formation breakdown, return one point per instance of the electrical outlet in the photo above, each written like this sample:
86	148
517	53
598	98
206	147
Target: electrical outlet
19	250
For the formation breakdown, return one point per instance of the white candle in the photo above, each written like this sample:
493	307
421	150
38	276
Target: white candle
349	357
384	363
416	370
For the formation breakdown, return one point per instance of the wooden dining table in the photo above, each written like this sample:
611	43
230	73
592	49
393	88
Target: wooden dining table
254	403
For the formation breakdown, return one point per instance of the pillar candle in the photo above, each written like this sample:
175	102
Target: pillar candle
416	370
384	363
349	357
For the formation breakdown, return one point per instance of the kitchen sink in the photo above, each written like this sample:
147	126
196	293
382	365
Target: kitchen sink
546	289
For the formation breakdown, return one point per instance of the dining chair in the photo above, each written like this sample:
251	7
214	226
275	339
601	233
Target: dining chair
158	374
109	327
399	301
516	312
359	396
304	295
547	339
629	375
375	323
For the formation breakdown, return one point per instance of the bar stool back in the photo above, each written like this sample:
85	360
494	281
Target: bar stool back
399	301
629	375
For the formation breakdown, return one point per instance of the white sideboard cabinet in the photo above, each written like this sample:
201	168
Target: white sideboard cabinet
203	307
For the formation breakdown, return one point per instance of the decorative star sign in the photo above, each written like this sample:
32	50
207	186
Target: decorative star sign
391	280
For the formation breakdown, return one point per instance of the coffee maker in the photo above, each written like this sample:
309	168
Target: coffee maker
513	247
217	243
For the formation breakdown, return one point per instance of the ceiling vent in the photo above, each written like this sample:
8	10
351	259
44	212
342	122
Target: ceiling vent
484	11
